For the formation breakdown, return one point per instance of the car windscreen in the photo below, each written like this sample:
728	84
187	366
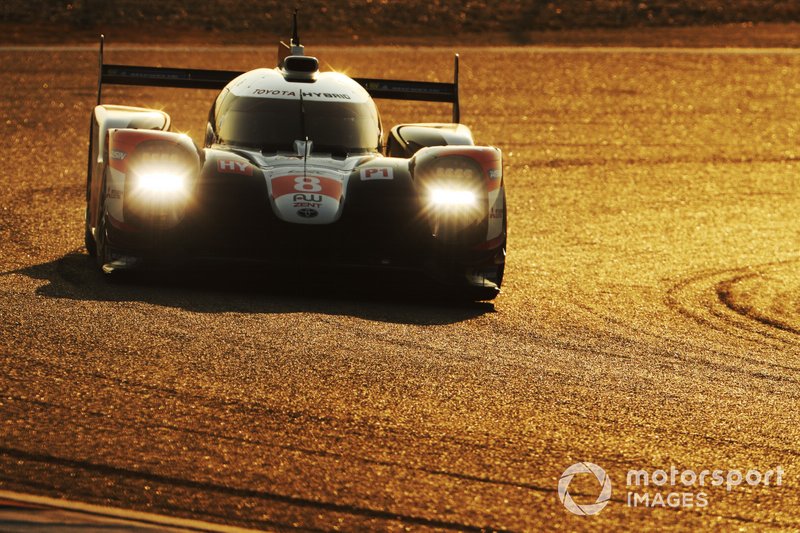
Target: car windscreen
274	124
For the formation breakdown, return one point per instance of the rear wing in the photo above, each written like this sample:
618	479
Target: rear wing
185	78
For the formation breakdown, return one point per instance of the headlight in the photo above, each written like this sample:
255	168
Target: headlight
161	182
442	197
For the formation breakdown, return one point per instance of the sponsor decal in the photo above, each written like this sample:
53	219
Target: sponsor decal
227	166
306	94
384	173
118	155
307	198
330	96
307	212
497	210
495	173
273	92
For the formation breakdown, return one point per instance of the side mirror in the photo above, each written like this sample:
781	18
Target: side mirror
211	137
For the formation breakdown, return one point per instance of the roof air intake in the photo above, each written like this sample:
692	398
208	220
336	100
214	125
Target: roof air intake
300	68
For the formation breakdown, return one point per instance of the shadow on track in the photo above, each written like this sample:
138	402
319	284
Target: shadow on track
384	298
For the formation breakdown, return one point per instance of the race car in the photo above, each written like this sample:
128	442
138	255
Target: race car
294	171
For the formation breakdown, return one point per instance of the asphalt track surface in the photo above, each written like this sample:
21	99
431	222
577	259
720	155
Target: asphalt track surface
650	316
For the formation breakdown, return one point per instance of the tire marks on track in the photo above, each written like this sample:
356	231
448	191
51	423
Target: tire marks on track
239	492
280	424
725	292
707	298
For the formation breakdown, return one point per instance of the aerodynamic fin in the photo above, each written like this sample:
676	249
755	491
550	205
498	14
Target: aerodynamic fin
183	78
426	91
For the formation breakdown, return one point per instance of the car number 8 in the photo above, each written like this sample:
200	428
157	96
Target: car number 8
307	184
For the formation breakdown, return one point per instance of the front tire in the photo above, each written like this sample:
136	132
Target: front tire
103	251
88	238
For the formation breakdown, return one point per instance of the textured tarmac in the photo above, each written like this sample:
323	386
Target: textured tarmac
649	317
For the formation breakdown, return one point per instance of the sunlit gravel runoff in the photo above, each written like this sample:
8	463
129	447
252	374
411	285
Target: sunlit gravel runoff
649	317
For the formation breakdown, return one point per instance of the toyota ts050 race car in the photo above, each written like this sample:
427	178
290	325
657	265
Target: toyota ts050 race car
294	171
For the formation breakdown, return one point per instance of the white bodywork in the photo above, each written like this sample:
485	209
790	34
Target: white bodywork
310	190
269	83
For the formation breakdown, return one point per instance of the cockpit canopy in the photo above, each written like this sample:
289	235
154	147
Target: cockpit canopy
262	110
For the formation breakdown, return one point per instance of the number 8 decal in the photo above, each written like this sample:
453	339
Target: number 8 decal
307	184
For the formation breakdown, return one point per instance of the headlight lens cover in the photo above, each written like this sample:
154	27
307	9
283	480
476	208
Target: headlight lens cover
161	181
452	197
161	173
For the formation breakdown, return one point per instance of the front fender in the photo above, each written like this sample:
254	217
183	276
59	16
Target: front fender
474	172
151	177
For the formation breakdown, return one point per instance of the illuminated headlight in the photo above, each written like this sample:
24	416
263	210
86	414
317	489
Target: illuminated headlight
161	182
452	198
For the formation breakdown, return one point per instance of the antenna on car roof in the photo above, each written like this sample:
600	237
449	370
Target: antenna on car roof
297	48
295	37
294	48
